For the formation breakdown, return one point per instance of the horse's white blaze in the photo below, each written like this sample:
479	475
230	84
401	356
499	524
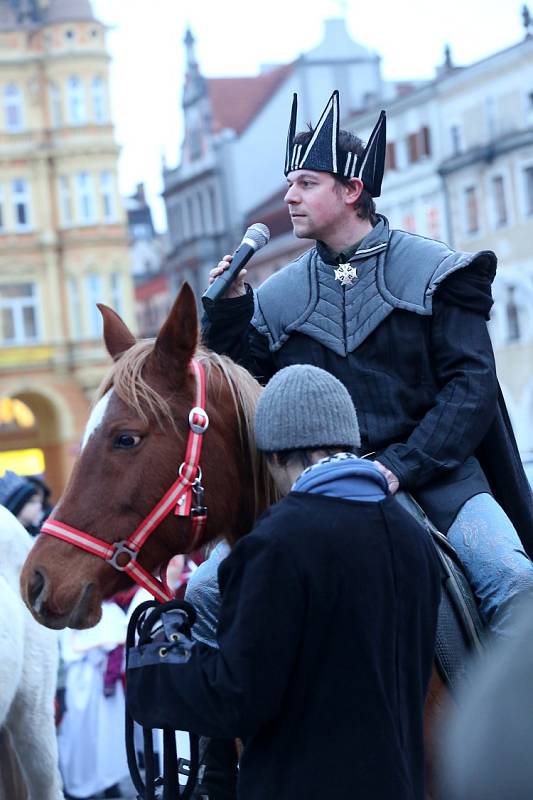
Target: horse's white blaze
96	418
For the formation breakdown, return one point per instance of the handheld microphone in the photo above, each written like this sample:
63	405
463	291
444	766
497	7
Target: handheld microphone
256	237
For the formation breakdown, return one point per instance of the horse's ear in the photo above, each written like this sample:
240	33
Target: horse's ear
117	336
178	338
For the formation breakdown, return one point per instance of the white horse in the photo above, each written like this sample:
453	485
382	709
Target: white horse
28	674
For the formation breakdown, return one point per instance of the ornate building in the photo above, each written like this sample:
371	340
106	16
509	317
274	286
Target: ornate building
64	245
460	168
234	144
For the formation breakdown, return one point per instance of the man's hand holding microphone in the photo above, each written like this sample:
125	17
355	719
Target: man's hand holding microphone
226	280
237	287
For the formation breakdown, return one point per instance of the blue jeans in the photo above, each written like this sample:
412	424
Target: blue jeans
494	560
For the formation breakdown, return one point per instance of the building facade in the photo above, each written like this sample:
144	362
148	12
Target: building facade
63	237
153	296
459	168
487	171
234	143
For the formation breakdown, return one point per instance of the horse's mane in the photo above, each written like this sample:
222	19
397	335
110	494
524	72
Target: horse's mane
126	378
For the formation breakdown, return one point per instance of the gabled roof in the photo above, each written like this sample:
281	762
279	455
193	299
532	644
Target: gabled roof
236	101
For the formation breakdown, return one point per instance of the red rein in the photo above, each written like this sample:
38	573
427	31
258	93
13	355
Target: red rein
185	496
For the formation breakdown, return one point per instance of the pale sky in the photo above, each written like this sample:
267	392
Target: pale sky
236	36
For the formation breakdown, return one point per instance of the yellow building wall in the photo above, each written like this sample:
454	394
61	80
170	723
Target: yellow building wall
61	253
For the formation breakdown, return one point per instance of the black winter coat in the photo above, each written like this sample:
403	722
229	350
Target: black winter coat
326	636
426	394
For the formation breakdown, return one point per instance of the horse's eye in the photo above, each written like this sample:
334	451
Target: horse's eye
126	440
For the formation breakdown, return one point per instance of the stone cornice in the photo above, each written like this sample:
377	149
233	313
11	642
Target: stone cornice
487	152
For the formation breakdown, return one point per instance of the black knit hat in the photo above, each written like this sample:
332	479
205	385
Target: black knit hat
15	491
322	152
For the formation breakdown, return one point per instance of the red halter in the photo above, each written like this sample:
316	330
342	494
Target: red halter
123	555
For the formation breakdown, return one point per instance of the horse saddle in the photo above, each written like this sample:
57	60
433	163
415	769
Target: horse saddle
459	625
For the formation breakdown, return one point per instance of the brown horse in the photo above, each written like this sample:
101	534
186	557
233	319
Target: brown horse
132	449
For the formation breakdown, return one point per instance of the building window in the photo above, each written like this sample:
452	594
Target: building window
56	112
528	180
107	191
190	220
75	308
513	316
408	217
433	221
418	145
13	109
213	207
471	208
19	322
93	285
390	156
425	141
76	101
85	198
195	143
175	220
99	100
412	148
498	195
201	213
70	34
21	203
65	199
455	139
117	292
1	209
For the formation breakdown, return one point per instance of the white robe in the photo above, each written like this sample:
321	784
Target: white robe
92	754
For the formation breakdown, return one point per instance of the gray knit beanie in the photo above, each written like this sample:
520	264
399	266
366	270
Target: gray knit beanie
304	407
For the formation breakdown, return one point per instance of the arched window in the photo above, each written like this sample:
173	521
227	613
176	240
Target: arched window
99	99
13	108
76	101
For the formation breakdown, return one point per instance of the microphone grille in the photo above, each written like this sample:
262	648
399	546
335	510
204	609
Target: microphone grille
259	234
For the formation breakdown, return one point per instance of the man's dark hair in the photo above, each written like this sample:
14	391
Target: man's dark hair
304	457
365	207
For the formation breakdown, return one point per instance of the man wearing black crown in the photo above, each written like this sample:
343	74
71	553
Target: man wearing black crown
401	321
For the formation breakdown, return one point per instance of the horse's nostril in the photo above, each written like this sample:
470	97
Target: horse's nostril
36	590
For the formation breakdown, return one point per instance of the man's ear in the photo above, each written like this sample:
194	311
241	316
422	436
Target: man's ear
353	190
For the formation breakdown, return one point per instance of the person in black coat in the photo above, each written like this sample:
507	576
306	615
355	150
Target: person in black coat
327	623
401	321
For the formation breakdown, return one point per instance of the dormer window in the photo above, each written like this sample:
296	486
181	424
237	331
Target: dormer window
70	34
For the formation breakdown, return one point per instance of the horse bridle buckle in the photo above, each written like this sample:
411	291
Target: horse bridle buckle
198	420
120	549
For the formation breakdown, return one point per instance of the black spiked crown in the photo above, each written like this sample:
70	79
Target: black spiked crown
322	152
